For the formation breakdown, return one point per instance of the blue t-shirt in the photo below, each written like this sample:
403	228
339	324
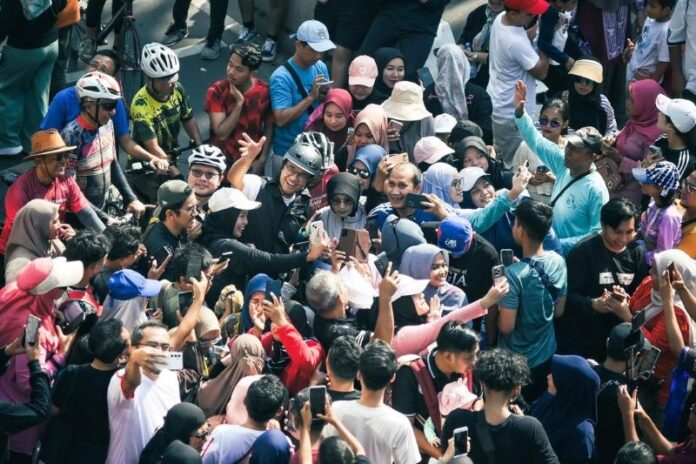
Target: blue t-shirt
65	107
284	94
533	335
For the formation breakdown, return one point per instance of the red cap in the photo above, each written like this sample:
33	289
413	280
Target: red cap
534	7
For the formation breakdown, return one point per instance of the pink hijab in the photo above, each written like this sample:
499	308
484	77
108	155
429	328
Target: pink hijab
375	118
341	98
640	130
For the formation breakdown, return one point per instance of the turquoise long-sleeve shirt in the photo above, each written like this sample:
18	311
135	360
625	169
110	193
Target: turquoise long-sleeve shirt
576	214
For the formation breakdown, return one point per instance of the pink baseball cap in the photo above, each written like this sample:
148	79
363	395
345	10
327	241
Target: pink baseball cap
430	150
42	275
362	71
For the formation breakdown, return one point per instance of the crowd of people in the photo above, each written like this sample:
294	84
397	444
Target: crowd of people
367	261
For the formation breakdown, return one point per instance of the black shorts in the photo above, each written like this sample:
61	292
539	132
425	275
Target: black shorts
347	21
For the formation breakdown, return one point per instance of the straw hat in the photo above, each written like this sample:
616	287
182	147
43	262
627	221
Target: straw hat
47	142
588	69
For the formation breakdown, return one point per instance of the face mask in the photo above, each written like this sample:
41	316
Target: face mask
204	345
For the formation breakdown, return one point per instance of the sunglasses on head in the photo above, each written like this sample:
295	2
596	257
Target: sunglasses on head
364	173
554	123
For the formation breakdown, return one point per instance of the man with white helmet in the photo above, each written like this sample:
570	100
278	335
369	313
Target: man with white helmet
284	198
94	164
159	109
206	167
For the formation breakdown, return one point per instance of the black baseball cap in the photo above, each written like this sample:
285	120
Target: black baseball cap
616	348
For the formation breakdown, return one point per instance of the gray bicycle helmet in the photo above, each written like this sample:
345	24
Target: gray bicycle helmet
321	142
306	157
208	155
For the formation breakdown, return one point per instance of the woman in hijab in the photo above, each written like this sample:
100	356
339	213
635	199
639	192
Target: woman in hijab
406	106
454	94
476	37
441	180
365	166
35	234
222	231
568	409
333	117
588	106
432	263
182	422
370	128
180	453
246	358
391	68
648	297
639	132
345	209
272	447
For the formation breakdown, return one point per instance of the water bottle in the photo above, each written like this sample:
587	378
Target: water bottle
474	66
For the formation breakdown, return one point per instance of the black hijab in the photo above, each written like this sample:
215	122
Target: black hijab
181	421
382	57
586	110
347	184
219	225
180	453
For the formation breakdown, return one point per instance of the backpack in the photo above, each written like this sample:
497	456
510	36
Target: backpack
425	382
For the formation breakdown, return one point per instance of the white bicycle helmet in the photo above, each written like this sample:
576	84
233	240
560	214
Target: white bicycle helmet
159	61
98	86
208	155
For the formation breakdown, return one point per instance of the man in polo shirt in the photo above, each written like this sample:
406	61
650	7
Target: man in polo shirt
296	88
176	208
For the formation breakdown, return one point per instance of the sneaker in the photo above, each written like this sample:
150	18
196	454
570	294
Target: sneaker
174	34
211	51
269	50
87	49
245	35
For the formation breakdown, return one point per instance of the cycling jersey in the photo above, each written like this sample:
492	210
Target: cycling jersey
161	120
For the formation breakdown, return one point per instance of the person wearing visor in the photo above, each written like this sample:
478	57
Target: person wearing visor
94	165
159	109
580	191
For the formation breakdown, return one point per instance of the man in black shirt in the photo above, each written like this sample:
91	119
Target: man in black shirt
176	208
609	431
515	438
342	364
455	354
596	265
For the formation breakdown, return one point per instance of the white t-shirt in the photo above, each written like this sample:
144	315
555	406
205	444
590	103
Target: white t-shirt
133	421
386	434
511	56
228	444
650	49
682	30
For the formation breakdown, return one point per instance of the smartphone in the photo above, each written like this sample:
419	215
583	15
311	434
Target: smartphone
415	201
194	267
273	286
461	441
395	125
399	158
326	83
542	169
150	312
315	231
162	255
381	263
498	273
317	400
31	331
506	255
175	361
372	228
346	242
670	271
185	301
618	296
655	150
426	77
226	255
647	362
638	320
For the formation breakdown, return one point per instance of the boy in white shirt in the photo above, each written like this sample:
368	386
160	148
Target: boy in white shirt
512	57
648	58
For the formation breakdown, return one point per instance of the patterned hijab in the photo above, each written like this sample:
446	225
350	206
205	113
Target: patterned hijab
454	71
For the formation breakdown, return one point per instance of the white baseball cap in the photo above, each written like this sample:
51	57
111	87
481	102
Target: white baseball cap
469	177
681	112
444	123
315	34
227	197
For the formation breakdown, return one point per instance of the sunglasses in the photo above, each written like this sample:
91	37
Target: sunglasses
341	201
364	173
207	174
107	106
554	123
583	80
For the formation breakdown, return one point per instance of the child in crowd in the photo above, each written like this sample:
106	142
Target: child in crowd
648	58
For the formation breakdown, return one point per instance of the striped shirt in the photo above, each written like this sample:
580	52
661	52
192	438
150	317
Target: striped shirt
683	158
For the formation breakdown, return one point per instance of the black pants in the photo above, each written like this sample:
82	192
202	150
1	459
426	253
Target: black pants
218	11
95	9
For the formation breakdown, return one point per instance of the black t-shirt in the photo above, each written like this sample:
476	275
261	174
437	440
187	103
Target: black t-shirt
609	434
407	396
328	330
472	271
81	392
518	439
592	269
160	242
684	159
343	396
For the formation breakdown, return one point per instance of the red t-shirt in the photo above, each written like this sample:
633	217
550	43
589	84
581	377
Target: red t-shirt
256	114
64	191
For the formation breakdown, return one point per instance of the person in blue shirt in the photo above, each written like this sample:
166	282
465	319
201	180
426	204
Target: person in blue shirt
579	192
538	287
65	107
297	88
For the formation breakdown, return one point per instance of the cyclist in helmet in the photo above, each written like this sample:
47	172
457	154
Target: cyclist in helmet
329	169
206	170
159	110
94	164
284	198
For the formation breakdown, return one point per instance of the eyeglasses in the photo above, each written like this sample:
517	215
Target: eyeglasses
293	171
583	80
457	184
190	210
97	66
207	174
689	188
554	123
166	79
364	173
155	345
336	201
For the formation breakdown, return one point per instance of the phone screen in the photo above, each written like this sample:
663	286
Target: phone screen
381	263
317	400
415	201
395	125
185	301
31	331
506	255
637	320
194	267
346	243
648	361
498	273
273	286
461	441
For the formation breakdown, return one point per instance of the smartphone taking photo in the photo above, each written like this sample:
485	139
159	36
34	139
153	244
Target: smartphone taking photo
461	441
317	401
194	267
185	302
31	331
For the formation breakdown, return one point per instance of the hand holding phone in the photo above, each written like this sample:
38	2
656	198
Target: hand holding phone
194	267
395	125
461	441
31	331
498	274
273	287
185	302
317	401
416	200
506	257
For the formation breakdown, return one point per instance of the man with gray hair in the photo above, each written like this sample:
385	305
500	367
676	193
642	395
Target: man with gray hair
328	297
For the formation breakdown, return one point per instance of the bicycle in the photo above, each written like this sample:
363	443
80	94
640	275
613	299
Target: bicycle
126	45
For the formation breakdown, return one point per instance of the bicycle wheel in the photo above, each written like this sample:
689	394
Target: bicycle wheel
129	51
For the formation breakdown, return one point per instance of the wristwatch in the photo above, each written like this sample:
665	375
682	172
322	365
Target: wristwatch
476	56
